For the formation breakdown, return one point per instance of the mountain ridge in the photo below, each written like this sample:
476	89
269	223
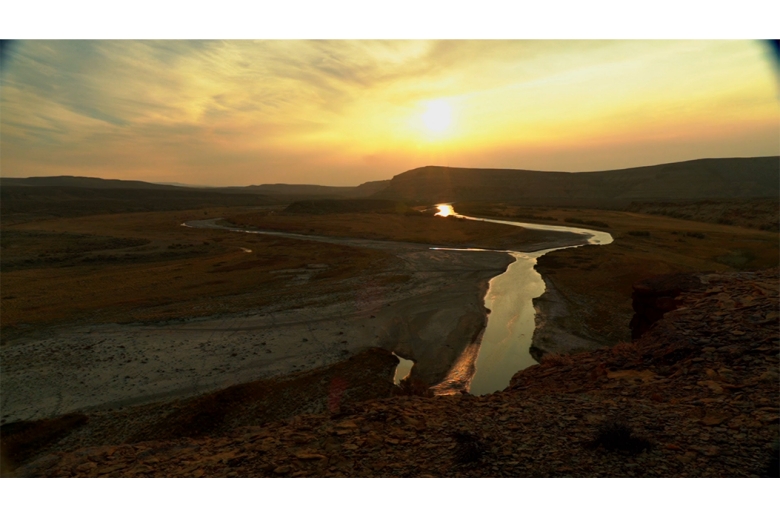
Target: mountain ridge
709	178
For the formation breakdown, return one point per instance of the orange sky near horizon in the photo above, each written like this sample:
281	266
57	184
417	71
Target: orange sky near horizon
345	112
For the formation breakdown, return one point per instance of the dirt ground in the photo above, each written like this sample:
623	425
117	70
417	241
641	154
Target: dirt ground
114	310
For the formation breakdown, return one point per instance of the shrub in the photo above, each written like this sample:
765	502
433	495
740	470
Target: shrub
617	436
639	233
595	223
469	447
592	223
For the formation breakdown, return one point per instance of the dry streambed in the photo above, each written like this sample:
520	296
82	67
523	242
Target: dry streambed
431	318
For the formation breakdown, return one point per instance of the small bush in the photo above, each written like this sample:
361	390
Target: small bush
639	233
469	448
595	223
592	223
697	235
616	436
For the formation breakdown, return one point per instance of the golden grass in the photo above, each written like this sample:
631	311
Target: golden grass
174	275
394	227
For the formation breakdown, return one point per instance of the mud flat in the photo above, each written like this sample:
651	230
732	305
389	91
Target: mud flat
431	319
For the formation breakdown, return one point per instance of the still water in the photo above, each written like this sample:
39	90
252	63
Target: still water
506	341
403	369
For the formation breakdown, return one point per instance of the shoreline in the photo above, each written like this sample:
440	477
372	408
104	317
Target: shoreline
552	332
72	368
432	319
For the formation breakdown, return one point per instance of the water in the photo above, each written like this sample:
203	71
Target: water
403	369
506	341
488	366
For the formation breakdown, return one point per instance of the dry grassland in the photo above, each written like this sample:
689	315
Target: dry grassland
597	280
147	267
396	227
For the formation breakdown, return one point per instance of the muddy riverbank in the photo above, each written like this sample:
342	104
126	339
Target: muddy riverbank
430	318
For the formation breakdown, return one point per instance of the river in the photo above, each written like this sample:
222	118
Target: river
504	348
506	341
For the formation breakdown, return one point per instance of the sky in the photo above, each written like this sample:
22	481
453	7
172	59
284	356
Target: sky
343	112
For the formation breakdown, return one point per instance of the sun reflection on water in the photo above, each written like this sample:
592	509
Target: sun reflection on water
445	210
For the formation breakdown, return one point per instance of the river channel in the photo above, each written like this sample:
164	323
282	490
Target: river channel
506	341
504	348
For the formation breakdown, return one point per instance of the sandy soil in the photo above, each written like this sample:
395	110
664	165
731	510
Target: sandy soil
431	319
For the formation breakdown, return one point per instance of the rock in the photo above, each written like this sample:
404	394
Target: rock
654	297
711	451
310	456
714	420
87	466
713	386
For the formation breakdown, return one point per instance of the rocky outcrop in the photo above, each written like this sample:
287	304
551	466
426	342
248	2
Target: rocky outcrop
556	331
694	396
365	376
652	298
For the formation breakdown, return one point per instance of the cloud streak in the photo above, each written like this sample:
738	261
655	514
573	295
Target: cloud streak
239	112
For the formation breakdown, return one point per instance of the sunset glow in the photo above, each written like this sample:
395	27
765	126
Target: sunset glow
437	116
346	112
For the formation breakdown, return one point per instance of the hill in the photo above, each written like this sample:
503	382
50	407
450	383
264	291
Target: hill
22	199
300	191
715	178
83	182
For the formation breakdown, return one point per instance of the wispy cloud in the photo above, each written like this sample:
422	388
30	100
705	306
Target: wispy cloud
215	112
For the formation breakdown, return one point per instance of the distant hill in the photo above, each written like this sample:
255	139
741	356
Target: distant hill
280	189
318	191
23	202
65	196
367	189
82	182
715	178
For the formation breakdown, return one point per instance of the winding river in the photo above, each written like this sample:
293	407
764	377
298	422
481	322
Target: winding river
504	348
506	341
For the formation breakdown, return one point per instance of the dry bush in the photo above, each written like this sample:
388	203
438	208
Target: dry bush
617	436
469	447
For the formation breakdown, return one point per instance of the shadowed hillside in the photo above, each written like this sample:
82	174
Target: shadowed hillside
716	178
22	199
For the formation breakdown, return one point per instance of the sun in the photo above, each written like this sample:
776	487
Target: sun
438	116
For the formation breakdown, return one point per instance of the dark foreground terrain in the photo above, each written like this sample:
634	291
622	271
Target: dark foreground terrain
694	396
